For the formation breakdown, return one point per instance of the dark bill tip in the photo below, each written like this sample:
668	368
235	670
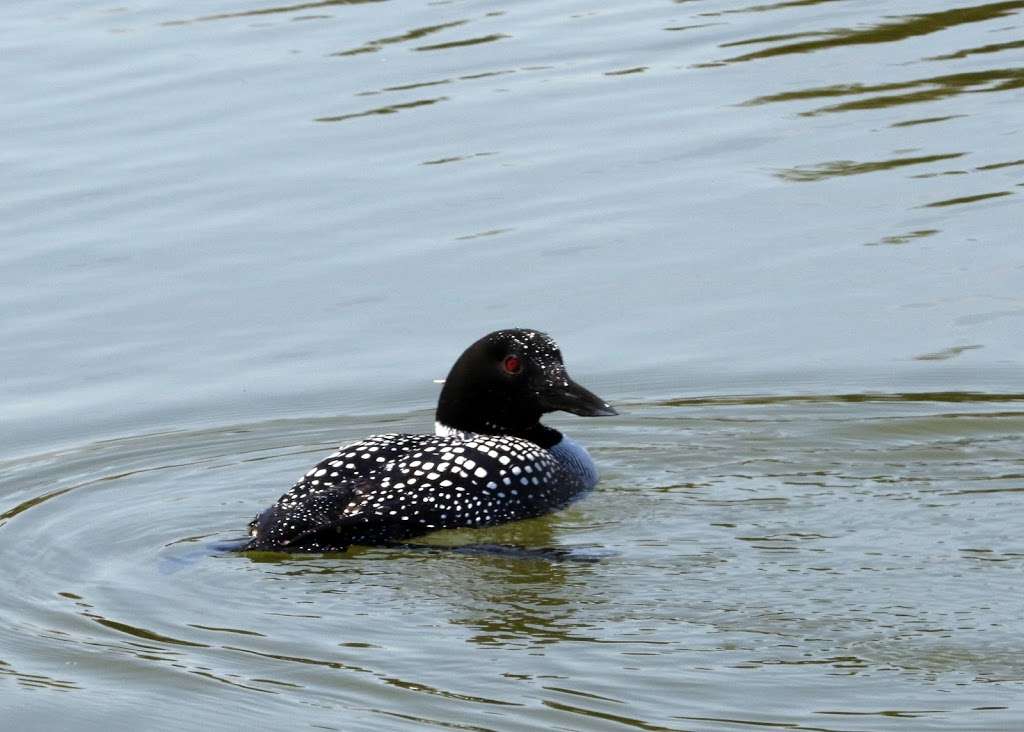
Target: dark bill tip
573	398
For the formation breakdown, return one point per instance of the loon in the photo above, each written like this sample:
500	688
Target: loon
490	460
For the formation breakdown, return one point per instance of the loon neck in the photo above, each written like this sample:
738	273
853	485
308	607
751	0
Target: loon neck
538	434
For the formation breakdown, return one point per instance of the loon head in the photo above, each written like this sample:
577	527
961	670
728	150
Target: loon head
506	381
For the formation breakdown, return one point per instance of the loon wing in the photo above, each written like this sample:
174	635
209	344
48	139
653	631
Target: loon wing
304	511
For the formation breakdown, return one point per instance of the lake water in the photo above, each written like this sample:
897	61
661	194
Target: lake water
783	237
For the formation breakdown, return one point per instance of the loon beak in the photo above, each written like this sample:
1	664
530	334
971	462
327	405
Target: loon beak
568	396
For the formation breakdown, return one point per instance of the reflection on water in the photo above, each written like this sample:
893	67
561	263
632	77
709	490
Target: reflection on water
946	353
783	5
991	48
836	168
624	72
996	166
405	87
414	34
925	120
462	42
390	109
36	680
457	158
904	238
959	200
520	602
922	90
891	31
269	11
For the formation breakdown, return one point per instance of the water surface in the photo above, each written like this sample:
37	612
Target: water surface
782	236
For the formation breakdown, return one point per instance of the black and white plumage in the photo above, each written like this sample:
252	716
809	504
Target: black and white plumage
489	461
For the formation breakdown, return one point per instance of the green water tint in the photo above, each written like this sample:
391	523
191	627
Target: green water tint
732	535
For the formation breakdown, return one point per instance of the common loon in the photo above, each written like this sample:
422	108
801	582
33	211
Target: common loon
490	460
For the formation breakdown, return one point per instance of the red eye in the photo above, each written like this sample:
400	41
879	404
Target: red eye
512	365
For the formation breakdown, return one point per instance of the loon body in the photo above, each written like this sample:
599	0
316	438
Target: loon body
490	460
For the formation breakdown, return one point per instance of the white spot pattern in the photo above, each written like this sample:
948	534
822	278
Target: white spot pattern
382	494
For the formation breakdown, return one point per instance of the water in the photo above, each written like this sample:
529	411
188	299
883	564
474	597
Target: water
782	237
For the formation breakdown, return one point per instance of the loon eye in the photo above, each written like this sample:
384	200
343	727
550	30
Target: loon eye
512	365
